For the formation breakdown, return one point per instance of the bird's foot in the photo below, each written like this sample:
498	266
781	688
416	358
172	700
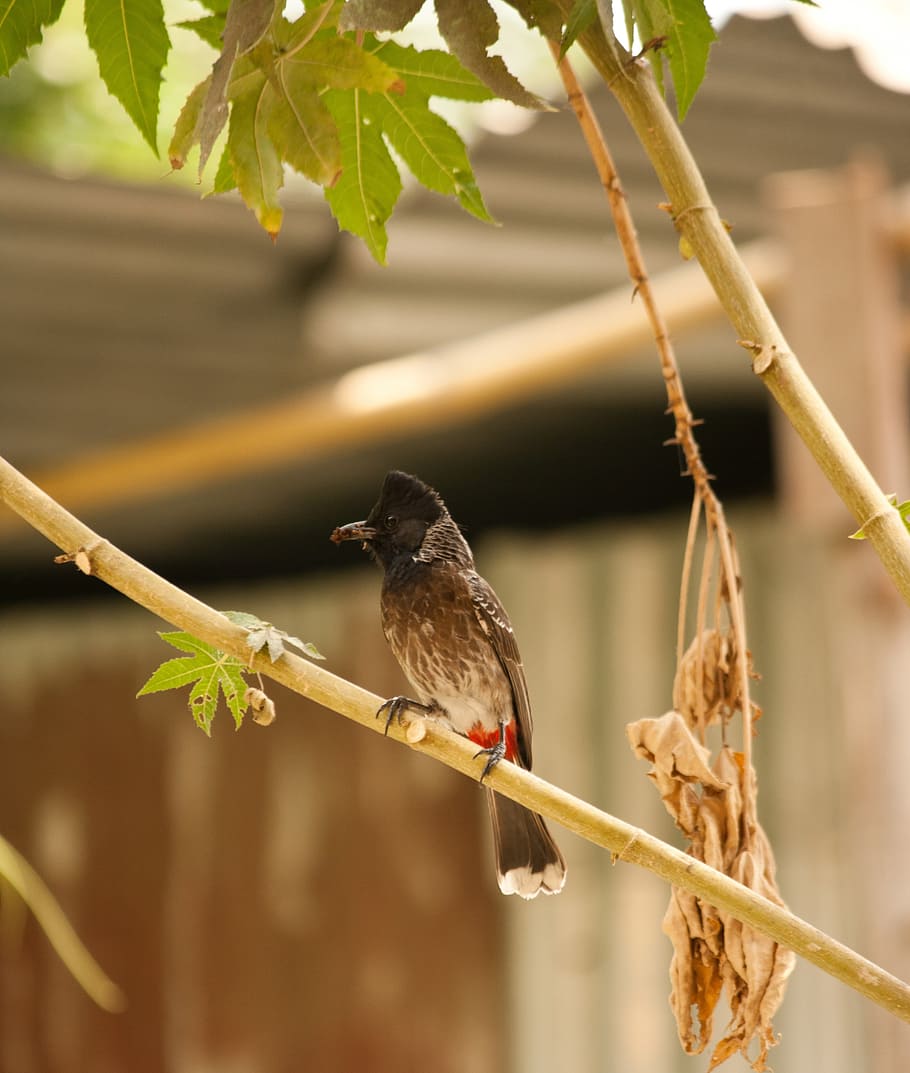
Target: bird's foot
494	753
395	707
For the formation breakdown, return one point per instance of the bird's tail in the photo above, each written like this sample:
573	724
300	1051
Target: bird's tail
528	861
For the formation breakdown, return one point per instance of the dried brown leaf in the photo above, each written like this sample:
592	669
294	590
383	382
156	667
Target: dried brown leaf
702	686
676	758
714	953
707	689
694	972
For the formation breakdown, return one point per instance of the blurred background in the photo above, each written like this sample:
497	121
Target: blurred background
310	897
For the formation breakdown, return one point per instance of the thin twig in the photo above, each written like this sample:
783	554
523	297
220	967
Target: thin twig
676	397
33	891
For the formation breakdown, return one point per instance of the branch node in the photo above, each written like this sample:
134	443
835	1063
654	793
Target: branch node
81	557
763	358
620	855
683	213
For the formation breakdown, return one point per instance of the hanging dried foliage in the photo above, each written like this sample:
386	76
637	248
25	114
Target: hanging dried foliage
713	953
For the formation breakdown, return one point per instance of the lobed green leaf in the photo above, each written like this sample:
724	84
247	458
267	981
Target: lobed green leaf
209	673
131	44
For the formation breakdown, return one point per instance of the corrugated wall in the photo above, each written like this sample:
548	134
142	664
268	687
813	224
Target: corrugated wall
309	897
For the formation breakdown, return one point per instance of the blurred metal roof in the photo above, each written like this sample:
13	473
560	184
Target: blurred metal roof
129	310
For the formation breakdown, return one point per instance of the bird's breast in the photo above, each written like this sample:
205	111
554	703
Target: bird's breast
434	633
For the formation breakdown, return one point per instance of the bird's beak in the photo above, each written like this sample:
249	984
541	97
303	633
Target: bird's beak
352	531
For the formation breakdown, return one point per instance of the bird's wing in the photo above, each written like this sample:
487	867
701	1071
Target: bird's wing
495	624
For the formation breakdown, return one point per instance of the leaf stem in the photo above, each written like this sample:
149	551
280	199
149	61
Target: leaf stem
625	841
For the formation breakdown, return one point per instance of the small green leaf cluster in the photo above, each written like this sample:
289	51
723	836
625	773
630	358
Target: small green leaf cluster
212	674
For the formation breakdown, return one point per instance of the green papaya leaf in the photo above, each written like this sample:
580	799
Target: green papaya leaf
209	673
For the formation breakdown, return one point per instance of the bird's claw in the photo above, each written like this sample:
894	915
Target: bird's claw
494	754
395	707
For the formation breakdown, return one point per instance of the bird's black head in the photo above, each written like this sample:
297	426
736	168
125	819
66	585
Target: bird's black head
399	522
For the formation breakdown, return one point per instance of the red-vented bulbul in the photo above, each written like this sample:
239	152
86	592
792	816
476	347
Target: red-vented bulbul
456	645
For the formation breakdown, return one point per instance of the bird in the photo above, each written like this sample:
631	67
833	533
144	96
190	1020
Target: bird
453	639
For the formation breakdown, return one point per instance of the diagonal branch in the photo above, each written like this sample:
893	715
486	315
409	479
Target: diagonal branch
626	842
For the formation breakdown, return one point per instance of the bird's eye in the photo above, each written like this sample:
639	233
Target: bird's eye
390	522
